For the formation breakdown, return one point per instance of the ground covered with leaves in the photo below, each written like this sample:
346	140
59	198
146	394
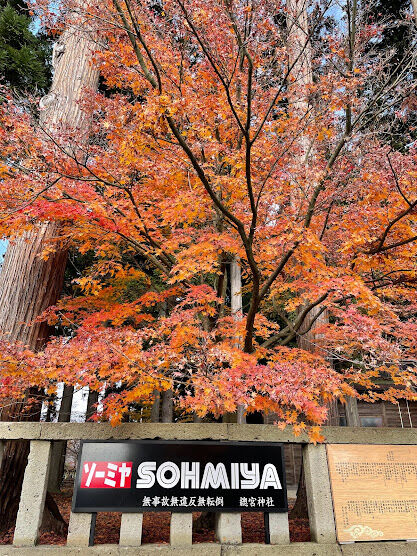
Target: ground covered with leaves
156	527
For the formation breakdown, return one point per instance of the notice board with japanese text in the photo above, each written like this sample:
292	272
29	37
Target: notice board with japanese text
374	490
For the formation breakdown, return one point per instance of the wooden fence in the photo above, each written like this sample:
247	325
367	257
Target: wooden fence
228	525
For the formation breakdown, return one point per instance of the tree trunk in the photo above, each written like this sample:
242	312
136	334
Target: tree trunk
301	75
92	402
59	447
300	508
167	407
29	284
206	521
414	5
352	413
236	308
156	405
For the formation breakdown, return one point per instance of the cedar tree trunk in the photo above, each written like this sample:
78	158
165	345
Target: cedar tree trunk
29	284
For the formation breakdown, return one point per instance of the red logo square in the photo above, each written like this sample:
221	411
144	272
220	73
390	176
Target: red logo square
106	474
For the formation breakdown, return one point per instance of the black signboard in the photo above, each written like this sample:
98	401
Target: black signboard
138	476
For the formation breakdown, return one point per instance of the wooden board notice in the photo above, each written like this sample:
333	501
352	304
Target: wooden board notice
374	490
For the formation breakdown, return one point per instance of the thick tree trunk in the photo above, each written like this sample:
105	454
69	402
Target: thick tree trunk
29	284
414	5
352	413
301	76
59	447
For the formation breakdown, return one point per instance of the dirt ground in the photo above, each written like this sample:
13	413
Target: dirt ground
156	527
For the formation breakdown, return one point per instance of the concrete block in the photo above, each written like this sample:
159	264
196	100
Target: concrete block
79	529
131	530
319	497
20	431
137	431
32	499
279	531
203	549
228	528
181	530
379	549
261	433
293	549
201	431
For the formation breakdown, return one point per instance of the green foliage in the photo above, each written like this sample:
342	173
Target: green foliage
24	55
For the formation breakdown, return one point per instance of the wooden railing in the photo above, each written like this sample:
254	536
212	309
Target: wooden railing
228	526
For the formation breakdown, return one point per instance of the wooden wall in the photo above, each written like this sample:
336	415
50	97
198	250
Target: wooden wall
379	414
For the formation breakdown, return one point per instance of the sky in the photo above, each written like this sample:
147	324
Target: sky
3	247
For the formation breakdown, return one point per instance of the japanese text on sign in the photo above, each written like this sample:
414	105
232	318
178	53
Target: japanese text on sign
190	475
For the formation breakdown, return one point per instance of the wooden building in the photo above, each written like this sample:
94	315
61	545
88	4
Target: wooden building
379	414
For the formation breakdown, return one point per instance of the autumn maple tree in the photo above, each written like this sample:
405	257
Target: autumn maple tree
209	148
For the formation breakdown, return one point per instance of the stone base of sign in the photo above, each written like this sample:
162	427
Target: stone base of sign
79	529
210	549
131	530
181	530
279	531
228	528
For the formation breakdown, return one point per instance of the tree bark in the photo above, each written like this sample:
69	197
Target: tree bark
414	5
92	401
29	284
167	406
236	308
352	413
59	447
301	74
156	405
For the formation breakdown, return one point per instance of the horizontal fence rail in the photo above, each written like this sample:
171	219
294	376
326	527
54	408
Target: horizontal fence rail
201	431
228	525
